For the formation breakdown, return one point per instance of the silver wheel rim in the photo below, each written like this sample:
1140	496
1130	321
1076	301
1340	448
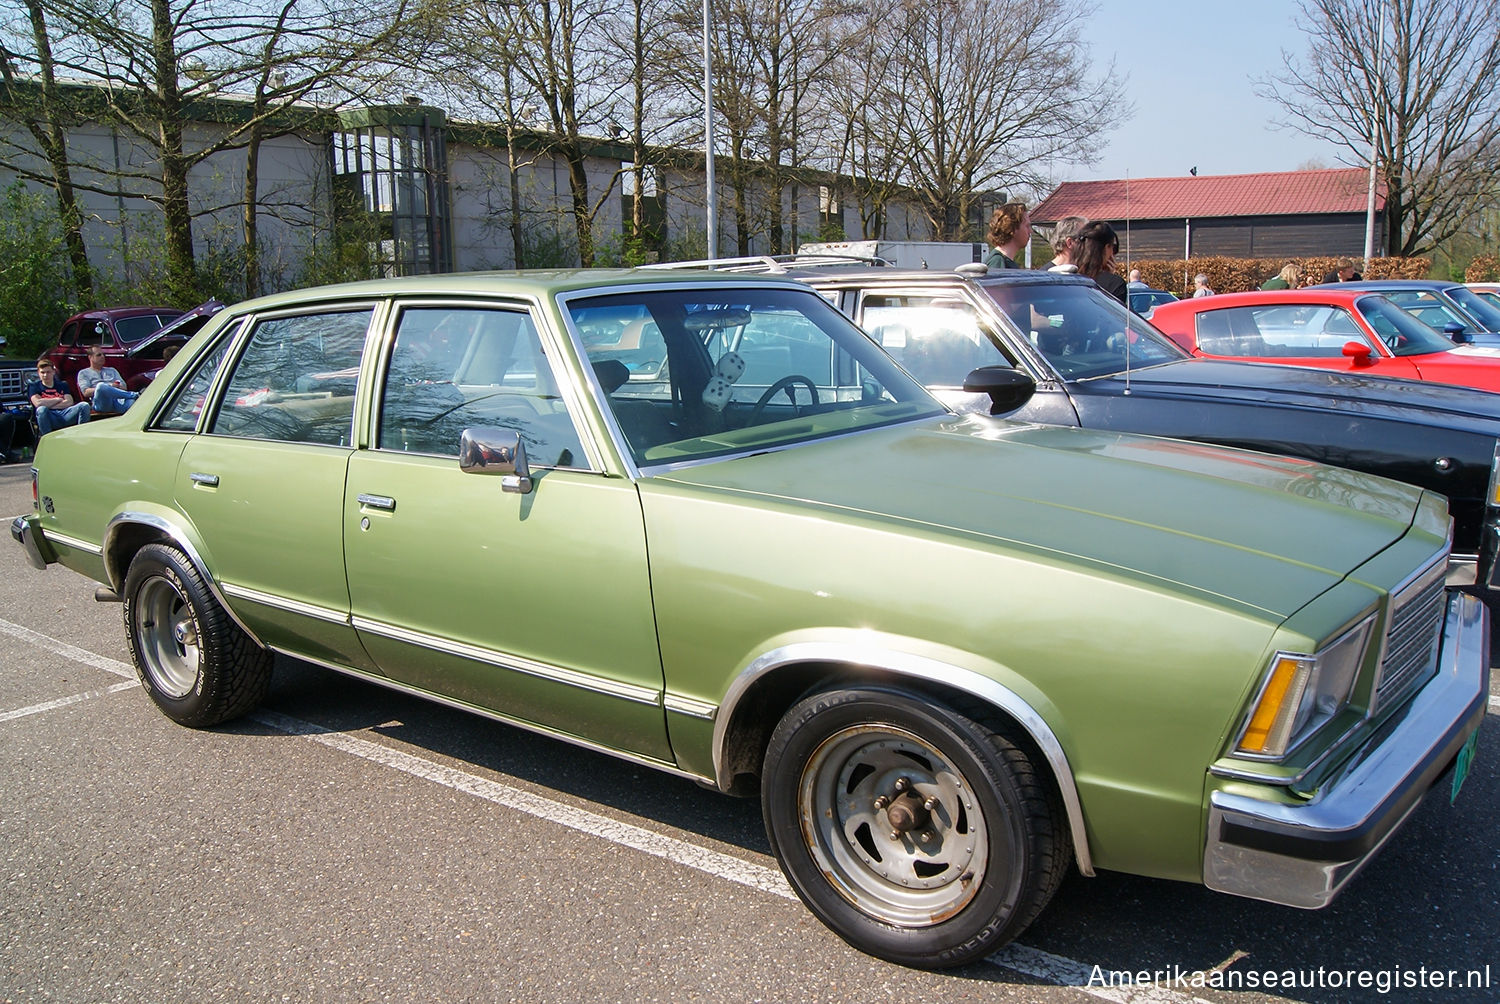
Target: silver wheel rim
860	804
167	636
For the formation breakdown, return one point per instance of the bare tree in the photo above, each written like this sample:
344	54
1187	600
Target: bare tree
1417	79
42	110
985	94
161	64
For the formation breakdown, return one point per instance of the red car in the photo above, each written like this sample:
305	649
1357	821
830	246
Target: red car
1356	331
119	330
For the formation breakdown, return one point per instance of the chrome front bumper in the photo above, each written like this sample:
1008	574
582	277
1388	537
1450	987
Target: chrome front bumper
1302	854
25	533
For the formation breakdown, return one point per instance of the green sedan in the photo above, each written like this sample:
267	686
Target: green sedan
704	523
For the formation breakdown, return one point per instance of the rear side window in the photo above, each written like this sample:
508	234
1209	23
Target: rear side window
295	381
182	415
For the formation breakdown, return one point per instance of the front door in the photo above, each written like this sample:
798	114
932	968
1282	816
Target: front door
536	607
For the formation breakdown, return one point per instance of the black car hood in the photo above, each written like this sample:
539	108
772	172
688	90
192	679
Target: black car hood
1293	386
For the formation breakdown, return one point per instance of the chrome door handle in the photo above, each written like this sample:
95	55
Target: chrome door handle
377	501
207	480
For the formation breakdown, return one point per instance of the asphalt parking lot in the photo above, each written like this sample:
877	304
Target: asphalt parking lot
349	843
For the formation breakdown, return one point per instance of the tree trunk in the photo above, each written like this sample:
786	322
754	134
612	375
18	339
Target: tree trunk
52	138
176	212
249	214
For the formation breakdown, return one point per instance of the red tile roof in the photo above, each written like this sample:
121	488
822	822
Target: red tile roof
1339	190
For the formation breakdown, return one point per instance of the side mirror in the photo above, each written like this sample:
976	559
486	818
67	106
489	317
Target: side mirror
490	450
1359	352
1007	387
1456	331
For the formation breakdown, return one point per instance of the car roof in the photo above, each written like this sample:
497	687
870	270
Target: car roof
534	283
1390	284
862	275
114	313
1310	296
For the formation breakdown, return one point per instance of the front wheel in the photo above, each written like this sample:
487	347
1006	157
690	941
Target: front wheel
917	834
194	661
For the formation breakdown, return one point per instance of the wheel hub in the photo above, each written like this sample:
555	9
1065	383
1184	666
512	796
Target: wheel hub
183	632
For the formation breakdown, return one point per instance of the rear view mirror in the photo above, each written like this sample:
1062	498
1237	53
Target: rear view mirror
1008	388
492	450
1359	352
1456	331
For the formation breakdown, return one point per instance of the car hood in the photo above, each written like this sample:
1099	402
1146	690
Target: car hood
1257	531
1412	400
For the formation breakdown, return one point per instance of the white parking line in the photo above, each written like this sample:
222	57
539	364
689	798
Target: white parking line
1029	961
62	648
37	709
1494	704
1033	962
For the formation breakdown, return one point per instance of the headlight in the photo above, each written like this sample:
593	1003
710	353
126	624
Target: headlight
1301	692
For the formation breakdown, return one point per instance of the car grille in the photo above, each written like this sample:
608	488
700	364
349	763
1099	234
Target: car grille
13	385
1411	643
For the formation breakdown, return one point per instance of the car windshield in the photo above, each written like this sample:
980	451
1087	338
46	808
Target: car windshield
1402	332
1083	331
690	374
1477	306
133	329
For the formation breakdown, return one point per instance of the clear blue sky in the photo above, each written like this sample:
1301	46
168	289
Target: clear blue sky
1190	67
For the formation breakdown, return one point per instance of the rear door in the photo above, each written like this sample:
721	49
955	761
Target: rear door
263	481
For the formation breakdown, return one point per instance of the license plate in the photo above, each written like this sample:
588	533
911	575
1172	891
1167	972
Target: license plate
1462	764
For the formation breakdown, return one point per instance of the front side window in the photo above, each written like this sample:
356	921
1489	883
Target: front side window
295	380
1279	330
454	368
937	338
1082	330
696	373
132	329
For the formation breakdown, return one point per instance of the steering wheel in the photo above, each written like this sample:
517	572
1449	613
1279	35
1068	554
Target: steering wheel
786	383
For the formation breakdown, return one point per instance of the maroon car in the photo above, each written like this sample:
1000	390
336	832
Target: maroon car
136	340
118	329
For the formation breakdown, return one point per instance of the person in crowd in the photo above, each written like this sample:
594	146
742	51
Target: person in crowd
1134	281
102	386
1094	254
1010	231
52	400
1288	278
13	428
1065	243
1344	272
1200	286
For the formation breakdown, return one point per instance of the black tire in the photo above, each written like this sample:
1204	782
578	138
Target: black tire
956	862
194	661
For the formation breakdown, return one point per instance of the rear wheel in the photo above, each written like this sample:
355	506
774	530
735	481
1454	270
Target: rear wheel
916	833
197	664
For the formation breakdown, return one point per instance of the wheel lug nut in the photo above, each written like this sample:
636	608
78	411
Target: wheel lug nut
895	834
930	803
881	801
901	784
925	836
